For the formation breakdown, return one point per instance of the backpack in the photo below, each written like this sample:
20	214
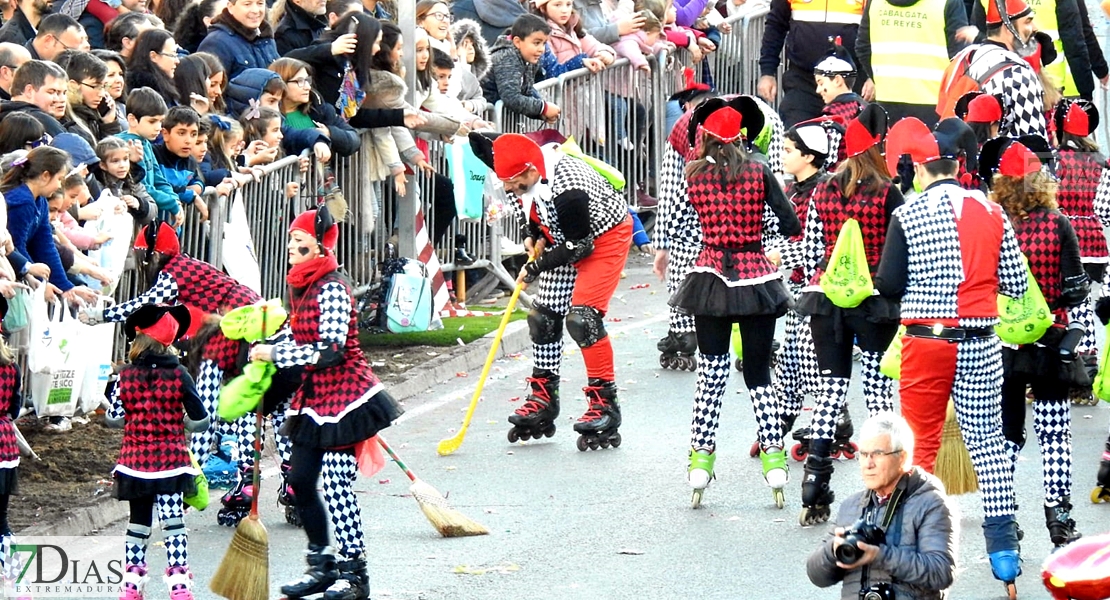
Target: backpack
1023	320
956	81
408	305
847	278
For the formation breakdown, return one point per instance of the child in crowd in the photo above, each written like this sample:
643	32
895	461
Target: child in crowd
200	148
145	111
835	76
471	65
429	98
78	267
262	88
175	157
76	193
153	395
223	160
262	134
513	76
569	44
442	66
116	174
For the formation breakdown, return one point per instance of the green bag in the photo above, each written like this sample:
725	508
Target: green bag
609	172
18	316
245	322
737	342
891	363
1023	320
242	394
847	279
199	498
1101	385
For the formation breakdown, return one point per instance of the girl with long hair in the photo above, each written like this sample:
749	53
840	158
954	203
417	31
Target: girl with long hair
115	81
191	80
353	40
153	61
193	24
303	108
217	82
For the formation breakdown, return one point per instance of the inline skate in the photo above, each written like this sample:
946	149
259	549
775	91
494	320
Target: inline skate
842	446
775	473
1006	567
700	473
322	572
134	582
1061	527
1101	493
536	417
597	428
817	497
677	351
287	499
180	583
353	582
237	500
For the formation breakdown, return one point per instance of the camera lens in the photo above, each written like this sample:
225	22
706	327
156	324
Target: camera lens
848	552
870	595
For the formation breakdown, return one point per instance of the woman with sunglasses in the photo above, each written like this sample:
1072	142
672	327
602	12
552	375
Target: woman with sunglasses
153	62
302	108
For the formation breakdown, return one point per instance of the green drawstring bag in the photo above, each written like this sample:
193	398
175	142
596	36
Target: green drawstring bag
1023	320
737	344
609	172
891	363
199	498
245	322
1101	386
847	278
242	394
18	316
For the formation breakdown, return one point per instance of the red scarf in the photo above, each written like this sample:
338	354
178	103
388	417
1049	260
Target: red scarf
305	274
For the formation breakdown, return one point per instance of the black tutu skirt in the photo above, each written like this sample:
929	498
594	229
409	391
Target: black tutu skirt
876	309
705	294
362	423
134	488
9	480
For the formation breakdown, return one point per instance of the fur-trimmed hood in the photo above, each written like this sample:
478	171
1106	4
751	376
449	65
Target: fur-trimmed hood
385	90
468	28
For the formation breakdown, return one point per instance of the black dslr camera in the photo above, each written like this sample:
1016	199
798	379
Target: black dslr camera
878	591
862	531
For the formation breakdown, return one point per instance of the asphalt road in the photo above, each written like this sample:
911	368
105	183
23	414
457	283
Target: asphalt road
615	523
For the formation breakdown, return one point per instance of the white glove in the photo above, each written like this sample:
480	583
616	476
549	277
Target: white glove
91	315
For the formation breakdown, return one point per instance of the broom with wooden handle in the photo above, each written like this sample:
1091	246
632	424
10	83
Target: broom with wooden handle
244	573
953	466
447	521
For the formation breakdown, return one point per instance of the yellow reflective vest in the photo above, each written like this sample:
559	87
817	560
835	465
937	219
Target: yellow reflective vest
909	50
847	12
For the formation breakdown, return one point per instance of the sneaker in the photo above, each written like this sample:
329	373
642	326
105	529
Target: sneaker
510	248
643	200
58	425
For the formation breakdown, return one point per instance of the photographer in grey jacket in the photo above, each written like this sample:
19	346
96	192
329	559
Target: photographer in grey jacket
894	540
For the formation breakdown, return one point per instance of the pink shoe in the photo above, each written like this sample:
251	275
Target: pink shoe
180	583
134	580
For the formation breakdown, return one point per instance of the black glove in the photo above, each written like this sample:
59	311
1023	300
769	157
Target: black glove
1102	309
1069	342
531	272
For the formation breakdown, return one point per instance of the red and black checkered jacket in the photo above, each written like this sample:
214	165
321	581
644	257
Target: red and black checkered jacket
730	211
871	208
153	395
1079	174
201	285
1048	241
10	402
846	106
800	194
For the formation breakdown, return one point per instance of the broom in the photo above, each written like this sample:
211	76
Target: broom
447	521
953	466
244	573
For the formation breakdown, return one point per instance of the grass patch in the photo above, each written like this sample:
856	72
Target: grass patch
467	329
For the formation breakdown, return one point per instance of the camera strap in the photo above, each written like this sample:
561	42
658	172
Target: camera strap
892	511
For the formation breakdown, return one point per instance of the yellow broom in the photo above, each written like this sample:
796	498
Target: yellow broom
953	466
447	521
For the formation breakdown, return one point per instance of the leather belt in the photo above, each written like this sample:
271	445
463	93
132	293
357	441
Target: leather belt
952	334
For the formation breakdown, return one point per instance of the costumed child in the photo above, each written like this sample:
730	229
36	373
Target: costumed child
1047	239
836	76
10	403
340	405
153	395
861	190
733	282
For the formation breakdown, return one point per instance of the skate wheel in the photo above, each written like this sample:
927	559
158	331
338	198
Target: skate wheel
582	445
604	443
514	437
739	364
850	450
663	362
1100	495
1011	591
549	432
594	444
615	440
754	452
292	517
780	498
797	452
835	455
695	500
525	436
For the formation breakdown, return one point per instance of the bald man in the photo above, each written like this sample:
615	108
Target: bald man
11	57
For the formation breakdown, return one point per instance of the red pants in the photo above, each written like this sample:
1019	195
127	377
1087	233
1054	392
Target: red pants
599	274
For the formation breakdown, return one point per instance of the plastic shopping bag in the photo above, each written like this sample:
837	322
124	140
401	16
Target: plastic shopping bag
891	363
242	394
38	328
368	454
19	312
240	260
409	301
609	172
1023	320
737	342
97	340
847	279
468	174
199	498
56	383
1101	386
112	254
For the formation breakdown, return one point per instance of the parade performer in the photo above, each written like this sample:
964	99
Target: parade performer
10	403
340	404
197	284
154	392
860	190
732	281
1047	239
1079	170
949	252
579	231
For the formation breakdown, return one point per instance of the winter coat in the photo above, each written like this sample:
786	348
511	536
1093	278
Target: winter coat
327	69
32	234
344	139
153	180
297	29
387	90
85	122
49	123
595	20
182	173
565	44
923	562
512	81
470	75
247	86
18	30
237	47
493	16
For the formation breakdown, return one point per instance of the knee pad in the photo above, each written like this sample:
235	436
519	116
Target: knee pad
173	524
585	325
545	326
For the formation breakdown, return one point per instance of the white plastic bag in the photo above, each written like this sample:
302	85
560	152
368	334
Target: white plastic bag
112	254
55	385
38	328
240	260
97	342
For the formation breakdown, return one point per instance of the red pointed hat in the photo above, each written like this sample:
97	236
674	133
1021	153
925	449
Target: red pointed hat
163	322
514	153
866	130
1076	117
998	155
1015	9
196	320
319	224
1018	161
910	136
724	124
984	108
160	237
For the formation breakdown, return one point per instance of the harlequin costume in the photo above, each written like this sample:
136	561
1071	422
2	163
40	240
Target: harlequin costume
10	403
846	106
949	252
155	402
584	224
340	404
733	282
1049	243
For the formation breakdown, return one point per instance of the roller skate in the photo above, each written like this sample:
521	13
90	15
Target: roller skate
237	501
787	427
134	582
1061	527
842	444
285	498
536	417
775	473
1006	567
817	497
677	351
353	582
320	576
597	428
180	583
700	473
1101	493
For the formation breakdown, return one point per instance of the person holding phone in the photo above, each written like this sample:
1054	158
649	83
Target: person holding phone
90	110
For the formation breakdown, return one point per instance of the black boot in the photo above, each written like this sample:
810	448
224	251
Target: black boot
1061	527
353	582
817	496
321	574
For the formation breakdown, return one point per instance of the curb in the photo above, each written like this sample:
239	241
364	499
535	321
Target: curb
91	519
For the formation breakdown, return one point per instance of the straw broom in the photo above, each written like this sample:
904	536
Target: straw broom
447	521
953	466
